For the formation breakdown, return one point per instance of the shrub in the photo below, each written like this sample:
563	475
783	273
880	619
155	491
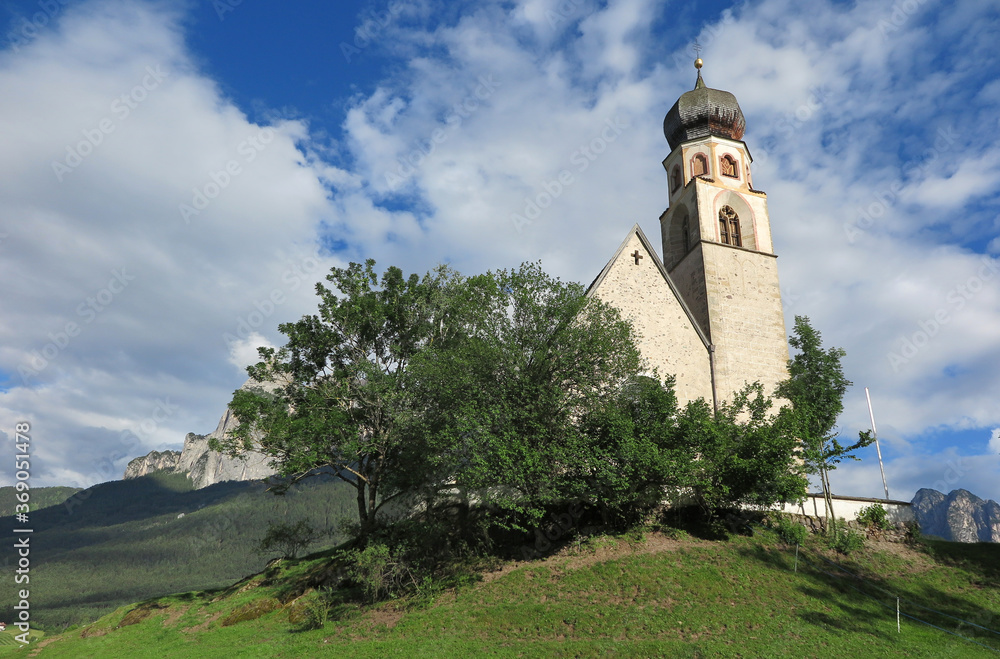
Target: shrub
318	609
312	610
790	532
845	539
875	517
380	571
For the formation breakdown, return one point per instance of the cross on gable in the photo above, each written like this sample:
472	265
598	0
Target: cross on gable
636	255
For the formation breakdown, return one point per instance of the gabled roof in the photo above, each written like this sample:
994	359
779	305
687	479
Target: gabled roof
646	245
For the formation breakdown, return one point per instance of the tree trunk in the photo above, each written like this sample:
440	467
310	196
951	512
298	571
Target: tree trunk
362	511
372	503
831	518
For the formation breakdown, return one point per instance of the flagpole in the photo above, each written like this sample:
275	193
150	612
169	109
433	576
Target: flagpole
879	450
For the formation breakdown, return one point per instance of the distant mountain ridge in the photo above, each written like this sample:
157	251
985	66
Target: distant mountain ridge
124	541
202	465
41	497
959	516
152	462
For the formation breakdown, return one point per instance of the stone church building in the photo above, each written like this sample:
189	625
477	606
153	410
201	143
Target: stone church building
708	312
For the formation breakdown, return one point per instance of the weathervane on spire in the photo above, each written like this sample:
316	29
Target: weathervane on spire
699	83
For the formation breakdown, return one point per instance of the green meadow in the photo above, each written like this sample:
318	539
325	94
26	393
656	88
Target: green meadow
654	594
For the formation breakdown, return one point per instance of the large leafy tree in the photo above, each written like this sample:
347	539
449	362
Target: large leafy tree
632	452
503	407
746	455
816	388
336	396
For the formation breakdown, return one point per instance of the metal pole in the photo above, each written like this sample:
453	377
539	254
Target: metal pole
796	557
897	616
877	448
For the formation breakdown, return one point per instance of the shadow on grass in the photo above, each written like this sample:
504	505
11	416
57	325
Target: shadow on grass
858	600
982	558
338	611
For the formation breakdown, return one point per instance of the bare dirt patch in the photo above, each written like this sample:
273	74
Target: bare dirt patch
40	645
140	613
175	614
89	632
386	618
204	625
608	549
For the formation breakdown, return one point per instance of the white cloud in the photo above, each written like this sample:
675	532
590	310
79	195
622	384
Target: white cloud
114	305
243	352
943	470
860	146
873	233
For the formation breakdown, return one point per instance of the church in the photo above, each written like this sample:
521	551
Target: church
709	312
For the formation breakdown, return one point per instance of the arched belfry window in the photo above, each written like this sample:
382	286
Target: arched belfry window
675	179
699	165
729	227
728	166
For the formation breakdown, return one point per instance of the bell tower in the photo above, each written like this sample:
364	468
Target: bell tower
717	245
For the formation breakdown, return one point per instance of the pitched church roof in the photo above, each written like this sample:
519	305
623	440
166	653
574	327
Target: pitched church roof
636	230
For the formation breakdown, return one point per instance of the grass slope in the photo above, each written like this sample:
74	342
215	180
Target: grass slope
607	597
123	541
41	497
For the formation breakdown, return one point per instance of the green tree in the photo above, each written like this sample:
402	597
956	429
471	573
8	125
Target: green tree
338	398
746	455
815	388
503	406
290	539
632	452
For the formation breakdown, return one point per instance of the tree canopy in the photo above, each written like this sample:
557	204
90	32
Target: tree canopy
511	389
815	387
502	407
340	400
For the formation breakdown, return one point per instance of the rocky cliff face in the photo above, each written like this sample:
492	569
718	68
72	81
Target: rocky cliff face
959	516
154	461
203	466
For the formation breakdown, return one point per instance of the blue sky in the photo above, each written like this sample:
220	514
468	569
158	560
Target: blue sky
175	176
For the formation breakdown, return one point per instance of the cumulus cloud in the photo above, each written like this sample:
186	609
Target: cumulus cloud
145	219
859	139
504	133
243	352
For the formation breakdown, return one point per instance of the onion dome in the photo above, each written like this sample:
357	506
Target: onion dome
702	112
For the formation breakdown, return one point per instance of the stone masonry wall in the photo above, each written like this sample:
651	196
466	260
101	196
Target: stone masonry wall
667	338
747	323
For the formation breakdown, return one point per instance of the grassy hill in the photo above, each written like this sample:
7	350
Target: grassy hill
41	497
627	596
123	541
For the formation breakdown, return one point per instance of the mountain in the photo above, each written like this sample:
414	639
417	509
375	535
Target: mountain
152	462
41	497
200	464
126	541
959	516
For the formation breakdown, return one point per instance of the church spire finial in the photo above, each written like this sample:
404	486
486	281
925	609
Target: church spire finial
699	83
